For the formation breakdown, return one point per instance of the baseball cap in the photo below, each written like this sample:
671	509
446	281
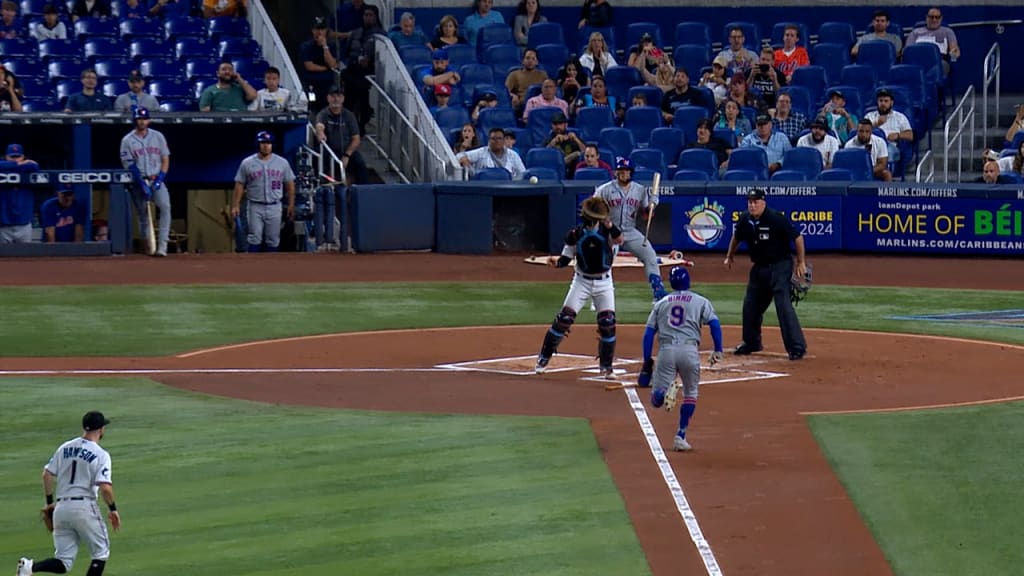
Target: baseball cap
836	93
319	23
722	60
15	150
336	89
510	133
135	75
442	90
488	95
559	118
646	37
65	189
50	9
141	112
265	136
440	54
94	421
755	194
818	123
623	163
763	119
883	92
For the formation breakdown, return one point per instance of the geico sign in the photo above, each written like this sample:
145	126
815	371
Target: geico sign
10	178
84	177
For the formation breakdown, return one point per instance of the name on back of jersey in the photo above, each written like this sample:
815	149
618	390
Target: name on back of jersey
80	453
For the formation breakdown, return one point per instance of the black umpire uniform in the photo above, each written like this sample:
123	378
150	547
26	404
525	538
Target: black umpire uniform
771	239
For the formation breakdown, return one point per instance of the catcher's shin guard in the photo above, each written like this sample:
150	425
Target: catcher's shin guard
559	330
606	344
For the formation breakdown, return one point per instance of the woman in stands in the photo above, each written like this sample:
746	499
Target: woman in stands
481	16
1013	164
646	55
596	58
707	140
599	97
1016	126
741	93
729	117
571	78
447	33
466	140
527	14
664	76
716	80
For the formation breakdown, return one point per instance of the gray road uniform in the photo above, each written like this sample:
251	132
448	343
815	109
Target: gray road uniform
146	151
80	465
264	182
625	204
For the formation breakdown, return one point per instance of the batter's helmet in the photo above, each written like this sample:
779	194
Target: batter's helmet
264	136
623	164
679	278
140	112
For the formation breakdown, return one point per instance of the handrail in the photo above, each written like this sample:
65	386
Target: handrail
275	53
991	70
961	116
335	168
407	123
928	159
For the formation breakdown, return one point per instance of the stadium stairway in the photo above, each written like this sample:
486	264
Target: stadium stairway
970	165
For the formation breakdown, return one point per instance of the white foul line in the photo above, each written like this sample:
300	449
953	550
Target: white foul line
137	371
669	475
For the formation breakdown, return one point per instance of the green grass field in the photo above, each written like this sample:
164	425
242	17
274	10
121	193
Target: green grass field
209	485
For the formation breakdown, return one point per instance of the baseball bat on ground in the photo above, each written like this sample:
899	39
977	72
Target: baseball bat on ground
655	185
619	386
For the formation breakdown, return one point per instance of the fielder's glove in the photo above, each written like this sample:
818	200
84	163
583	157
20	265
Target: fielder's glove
800	286
716	357
46	515
644	380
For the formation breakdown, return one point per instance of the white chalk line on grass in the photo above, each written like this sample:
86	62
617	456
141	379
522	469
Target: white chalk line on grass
152	371
669	476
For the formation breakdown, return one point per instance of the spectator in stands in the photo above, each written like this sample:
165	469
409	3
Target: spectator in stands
337	126
51	26
790	56
839	119
10	91
88	100
408	34
775	144
599	97
481	16
766	78
893	122
990	174
519	81
466	140
548	97
597	58
442	95
488	99
135	96
1013	164
11	25
349	18
319	63
716	80
273	96
170	8
664	76
741	93
510	140
876	147
231	93
100	231
818	138
740	59
1016	126
447	33
133	9
571	78
568	143
592	159
942	36
218	8
729	117
638	100
708	141
680	95
63	217
361	63
646	56
440	72
90	9
494	155
16	201
786	120
596	14
879	31
527	14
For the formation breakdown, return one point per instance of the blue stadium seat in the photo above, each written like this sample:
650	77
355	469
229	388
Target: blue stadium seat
789	176
643	175
635	30
250	68
856	160
813	78
619	141
201	84
543	173
592	174
741	176
114	87
552	57
35	7
835	175
184	27
583	37
837	33
728	136
178	106
201	68
641	120
501	57
862	77
686	117
692	58
652	95
188	48
19	48
66	88
65	69
545	158
545	33
699	160
927	56
492	174
751	35
232	47
650	158
620	79
591	120
86	28
133	28
880	55
36	87
113	68
55	49
227	26
497	117
25	68
150	48
805	160
831	57
693	33
40	105
687	175
753	159
158	68
452	117
539	122
104	48
801	99
504	99
669	141
170	88
492	34
474	75
415	55
780	28
922	93
458	55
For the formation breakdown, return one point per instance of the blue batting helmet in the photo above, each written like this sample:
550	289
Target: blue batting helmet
140	112
679	278
264	136
623	164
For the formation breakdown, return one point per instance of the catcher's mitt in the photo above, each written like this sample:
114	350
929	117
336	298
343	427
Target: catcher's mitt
595	209
46	515
800	286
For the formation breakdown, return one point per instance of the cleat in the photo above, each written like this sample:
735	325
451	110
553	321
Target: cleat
796	355
161	249
679	444
608	373
542	365
744	349
670	395
24	567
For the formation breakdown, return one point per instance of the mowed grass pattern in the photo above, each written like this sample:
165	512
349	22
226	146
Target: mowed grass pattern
213	486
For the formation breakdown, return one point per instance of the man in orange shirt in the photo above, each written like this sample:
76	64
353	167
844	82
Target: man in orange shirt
790	56
214	8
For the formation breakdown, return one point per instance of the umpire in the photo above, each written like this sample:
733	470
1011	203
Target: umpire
771	239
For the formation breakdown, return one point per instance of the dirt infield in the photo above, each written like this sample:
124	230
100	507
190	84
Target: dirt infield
762	492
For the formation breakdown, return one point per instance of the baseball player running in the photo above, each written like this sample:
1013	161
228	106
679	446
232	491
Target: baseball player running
145	154
262	177
77	474
677	320
626	198
591	243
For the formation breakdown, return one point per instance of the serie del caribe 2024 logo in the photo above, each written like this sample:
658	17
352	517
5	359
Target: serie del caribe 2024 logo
706	223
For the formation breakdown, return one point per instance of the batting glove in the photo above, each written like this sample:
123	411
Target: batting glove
159	180
644	380
716	357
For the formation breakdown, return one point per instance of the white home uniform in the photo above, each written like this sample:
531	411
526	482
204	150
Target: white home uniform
80	466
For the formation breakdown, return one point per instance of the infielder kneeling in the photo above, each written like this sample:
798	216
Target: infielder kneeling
677	319
591	244
263	177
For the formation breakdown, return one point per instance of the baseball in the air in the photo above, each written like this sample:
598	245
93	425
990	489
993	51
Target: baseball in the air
533	180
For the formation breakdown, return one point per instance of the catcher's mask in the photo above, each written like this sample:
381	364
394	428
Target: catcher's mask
594	209
800	286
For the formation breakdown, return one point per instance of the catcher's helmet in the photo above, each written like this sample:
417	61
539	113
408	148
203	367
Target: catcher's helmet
140	112
679	278
264	136
623	164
